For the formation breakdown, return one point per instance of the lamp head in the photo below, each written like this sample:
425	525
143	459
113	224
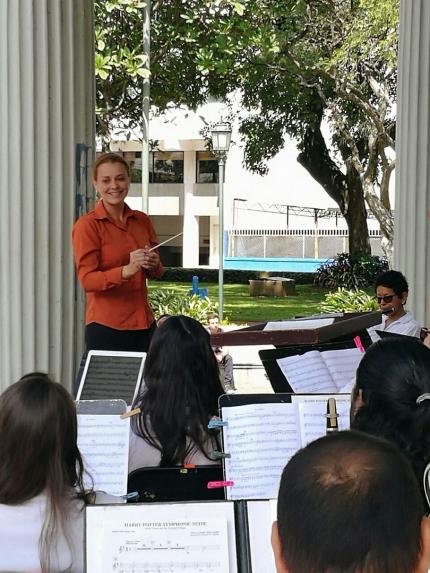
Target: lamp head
221	137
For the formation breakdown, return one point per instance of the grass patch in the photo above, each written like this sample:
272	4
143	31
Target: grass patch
240	307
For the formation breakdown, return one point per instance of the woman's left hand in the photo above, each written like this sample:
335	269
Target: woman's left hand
151	260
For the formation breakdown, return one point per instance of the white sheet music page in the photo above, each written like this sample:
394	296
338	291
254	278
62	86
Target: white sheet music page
342	365
186	533
302	324
261	515
307	373
260	439
313	421
103	443
171	545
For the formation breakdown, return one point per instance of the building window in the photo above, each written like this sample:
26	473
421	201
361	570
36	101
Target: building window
166	167
136	167
207	167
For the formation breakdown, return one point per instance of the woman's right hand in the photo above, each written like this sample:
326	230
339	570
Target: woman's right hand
137	258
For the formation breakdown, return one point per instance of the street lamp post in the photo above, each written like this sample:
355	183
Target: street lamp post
221	135
146	89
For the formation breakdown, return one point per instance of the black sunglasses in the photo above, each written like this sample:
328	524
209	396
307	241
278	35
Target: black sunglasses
385	298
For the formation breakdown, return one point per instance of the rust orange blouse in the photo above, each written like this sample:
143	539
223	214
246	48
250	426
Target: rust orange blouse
102	247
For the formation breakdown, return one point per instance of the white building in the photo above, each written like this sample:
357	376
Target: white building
183	197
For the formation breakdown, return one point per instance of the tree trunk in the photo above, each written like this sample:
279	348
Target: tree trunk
384	217
346	190
355	213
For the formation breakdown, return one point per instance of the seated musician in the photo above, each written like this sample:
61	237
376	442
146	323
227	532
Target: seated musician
391	397
42	496
179	397
392	293
347	503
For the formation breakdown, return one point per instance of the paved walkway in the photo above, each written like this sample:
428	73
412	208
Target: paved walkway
249	374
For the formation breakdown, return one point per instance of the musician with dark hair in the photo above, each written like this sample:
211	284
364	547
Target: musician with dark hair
349	503
391	291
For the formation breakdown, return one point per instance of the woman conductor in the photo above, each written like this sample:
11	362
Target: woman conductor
112	247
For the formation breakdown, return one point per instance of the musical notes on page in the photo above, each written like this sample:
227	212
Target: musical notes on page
307	373
342	365
312	416
161	538
111	375
315	371
166	545
103	443
260	438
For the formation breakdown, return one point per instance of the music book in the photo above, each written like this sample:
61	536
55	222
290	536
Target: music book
103	440
315	371
260	438
170	537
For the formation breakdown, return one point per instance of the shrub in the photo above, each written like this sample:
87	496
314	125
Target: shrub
164	301
344	300
345	271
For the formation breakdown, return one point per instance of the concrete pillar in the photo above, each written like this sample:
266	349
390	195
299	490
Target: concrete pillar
412	229
47	126
190	237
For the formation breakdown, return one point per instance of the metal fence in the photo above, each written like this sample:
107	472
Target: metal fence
295	243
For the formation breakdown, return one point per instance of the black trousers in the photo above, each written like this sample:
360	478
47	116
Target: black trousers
99	337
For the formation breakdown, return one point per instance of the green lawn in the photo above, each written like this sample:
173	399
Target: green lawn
240	307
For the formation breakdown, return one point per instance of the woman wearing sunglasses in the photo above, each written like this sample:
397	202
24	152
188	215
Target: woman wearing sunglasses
392	293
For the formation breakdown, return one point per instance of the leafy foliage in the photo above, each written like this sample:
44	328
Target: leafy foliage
344	300
169	302
346	271
191	43
294	64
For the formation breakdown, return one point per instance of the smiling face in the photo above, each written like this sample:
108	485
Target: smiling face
112	184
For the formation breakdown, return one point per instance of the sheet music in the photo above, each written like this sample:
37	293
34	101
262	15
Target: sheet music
161	538
103	442
261	515
174	545
313	421
305	324
307	373
111	375
342	365
260	438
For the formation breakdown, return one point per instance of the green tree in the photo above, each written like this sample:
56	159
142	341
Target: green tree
329	62
298	65
189	44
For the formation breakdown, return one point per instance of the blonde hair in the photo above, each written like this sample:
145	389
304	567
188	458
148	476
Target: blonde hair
109	158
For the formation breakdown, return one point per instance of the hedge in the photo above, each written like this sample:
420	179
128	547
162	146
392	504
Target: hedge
179	274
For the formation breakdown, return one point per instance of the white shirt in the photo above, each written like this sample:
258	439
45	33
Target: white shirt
20	527
406	325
